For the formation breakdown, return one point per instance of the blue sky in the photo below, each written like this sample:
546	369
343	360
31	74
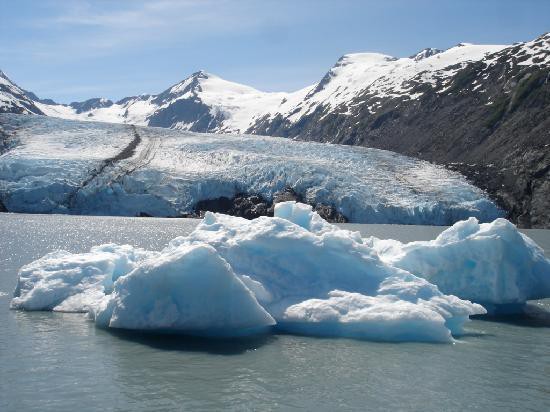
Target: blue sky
72	50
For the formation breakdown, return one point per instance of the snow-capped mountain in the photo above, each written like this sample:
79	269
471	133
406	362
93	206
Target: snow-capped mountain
480	109
204	102
373	77
207	103
370	86
13	99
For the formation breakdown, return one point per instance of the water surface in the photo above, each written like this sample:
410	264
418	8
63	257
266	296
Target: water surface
54	361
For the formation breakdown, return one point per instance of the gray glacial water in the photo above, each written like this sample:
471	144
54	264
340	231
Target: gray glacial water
62	362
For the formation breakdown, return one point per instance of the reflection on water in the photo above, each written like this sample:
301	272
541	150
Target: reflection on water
175	342
535	315
57	361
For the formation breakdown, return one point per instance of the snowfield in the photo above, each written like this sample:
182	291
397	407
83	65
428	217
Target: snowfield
60	166
294	273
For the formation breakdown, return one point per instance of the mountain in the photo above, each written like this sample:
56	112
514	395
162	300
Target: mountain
483	110
13	99
487	116
202	103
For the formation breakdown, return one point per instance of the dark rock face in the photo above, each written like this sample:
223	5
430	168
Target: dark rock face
188	111
3	208
491	122
90	104
252	206
330	214
428	52
242	205
35	98
131	98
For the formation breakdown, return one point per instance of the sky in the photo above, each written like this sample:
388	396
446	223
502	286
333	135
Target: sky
72	50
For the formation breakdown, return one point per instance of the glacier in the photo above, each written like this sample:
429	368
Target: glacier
61	166
292	273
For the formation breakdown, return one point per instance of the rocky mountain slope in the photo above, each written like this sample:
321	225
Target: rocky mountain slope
479	109
488	118
13	99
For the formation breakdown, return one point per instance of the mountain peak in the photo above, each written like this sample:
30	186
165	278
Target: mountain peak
91	104
424	53
5	78
199	73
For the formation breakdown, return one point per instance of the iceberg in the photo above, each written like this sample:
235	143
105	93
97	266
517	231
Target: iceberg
293	272
489	263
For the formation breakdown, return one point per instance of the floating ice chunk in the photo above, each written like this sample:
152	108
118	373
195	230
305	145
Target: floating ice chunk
382	317
191	290
233	276
66	282
302	215
490	263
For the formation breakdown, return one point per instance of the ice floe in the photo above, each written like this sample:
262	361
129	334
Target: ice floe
294	273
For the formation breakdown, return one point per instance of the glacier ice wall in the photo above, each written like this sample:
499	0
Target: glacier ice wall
62	166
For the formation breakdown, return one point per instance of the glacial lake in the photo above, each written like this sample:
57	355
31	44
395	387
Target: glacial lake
62	362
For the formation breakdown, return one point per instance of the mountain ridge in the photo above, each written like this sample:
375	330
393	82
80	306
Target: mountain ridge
480	109
229	115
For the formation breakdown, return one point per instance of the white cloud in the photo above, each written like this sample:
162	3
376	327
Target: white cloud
100	28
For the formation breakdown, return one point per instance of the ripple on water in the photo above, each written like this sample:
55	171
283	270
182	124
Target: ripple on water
53	361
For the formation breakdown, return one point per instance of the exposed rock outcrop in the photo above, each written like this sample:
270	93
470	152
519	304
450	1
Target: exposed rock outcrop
251	206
